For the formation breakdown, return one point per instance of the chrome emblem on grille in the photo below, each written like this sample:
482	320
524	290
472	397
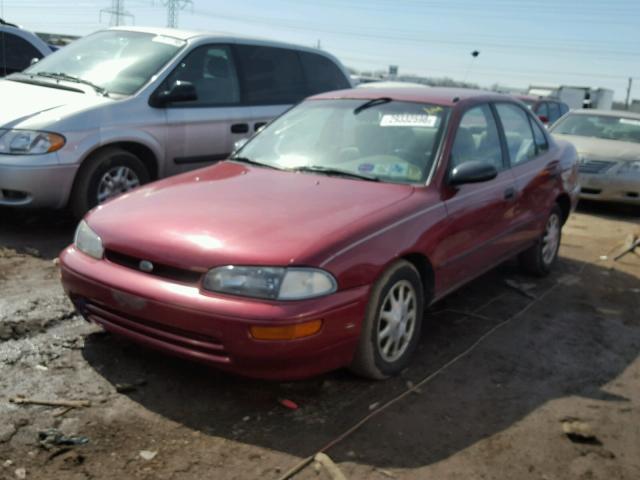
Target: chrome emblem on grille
146	266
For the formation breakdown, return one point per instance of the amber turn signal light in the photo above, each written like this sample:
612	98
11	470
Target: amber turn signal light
286	332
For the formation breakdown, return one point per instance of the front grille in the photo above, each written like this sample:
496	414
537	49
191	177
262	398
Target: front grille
179	337
161	270
594	166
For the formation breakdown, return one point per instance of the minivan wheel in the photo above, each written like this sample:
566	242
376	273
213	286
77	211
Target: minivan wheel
391	328
540	258
105	175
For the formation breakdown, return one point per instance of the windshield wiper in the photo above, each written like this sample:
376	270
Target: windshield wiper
372	103
334	171
253	162
71	78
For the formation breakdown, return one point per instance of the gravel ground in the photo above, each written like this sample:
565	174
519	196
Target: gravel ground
562	349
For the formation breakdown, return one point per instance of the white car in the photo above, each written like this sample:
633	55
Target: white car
125	106
19	48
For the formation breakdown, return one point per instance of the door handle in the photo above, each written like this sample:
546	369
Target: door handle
510	193
240	128
259	125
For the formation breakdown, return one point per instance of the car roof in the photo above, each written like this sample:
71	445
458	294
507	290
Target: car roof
444	96
606	113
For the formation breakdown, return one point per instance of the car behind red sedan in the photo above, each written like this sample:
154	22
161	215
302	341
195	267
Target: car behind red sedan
320	243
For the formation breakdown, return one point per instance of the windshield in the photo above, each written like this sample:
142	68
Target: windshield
380	139
600	126
117	61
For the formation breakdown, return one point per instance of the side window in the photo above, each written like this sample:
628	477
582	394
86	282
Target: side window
211	71
477	139
554	112
541	140
517	132
18	53
542	109
271	76
322	74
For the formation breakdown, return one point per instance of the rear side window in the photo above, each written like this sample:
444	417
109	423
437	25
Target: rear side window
321	74
541	140
15	53
477	139
271	76
518	133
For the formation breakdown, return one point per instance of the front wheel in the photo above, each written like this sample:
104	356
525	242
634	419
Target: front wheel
540	258
105	175
391	328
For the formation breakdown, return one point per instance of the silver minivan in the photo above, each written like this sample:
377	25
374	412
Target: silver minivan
125	106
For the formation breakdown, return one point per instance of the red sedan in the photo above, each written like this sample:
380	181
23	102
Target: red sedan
320	243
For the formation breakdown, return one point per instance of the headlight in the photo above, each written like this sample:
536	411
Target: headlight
275	283
629	168
29	142
88	241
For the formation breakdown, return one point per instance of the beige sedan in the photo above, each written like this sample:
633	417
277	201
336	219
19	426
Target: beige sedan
608	144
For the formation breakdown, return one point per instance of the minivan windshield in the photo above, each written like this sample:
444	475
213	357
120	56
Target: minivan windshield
114	61
607	127
379	139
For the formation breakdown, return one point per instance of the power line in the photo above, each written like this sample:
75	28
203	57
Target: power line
173	8
117	12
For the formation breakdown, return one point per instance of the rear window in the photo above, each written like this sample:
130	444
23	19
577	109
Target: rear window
271	76
322	74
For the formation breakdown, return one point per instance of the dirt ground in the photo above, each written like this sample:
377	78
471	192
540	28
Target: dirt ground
566	348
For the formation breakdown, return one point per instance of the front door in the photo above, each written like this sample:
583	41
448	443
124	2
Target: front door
201	132
480	214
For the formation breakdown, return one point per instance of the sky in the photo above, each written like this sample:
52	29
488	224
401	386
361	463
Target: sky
521	42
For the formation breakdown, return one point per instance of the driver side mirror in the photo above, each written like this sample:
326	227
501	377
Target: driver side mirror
34	60
543	118
472	172
180	91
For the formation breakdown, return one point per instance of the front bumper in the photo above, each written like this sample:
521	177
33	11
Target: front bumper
180	320
46	183
609	188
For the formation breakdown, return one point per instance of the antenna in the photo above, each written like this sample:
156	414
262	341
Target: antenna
117	13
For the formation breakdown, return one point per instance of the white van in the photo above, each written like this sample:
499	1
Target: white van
125	106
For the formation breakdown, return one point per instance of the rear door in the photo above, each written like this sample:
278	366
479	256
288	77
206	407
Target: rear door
480	214
534	169
201	132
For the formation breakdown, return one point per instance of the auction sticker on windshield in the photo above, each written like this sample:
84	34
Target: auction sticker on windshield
408	120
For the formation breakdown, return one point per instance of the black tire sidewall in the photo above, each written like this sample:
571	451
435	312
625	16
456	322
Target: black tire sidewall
85	196
402	272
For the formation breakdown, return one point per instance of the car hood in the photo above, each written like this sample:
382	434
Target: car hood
23	103
235	214
601	149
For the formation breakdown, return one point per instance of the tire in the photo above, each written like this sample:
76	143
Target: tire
92	184
540	258
370	359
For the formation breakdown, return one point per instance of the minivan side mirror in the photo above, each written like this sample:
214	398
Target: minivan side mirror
472	172
180	91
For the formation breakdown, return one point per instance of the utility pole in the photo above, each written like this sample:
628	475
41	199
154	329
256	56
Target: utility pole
628	93
173	8
117	13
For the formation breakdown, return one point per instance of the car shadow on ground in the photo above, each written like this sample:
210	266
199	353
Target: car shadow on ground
42	233
561	345
610	210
